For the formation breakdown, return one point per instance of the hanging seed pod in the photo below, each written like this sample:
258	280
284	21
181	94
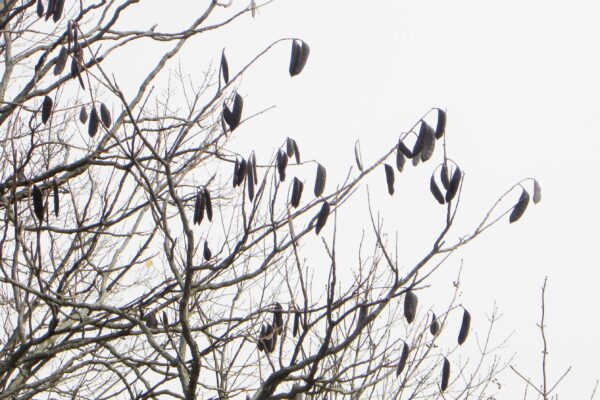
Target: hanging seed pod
46	108
50	9
297	317
416	160
254	173
250	179
320	180
83	115
270	338
55	197
445	177
300	52
520	207
403	359
236	171
389	178
435	190
297	187
38	202
208	204
105	116
58	10
416	151
165	320
199	206
261	343
40	9
428	142
94	123
322	216
61	61
76	64
206	253
454	185
357	157
363	312
150	320
537	192
464	327
278	319
445	374
400	159
224	67
296	152
405	150
69	35
434	327
289	147
233	117
440	128
282	161
410	306
242	172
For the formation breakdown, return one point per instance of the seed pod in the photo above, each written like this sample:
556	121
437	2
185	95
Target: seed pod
46	108
254	173
297	316
357	157
105	116
520	207
296	152
224	67
454	185
242	171
297	187
464	327
416	160
40	9
289	147
38	202
320	180
445	177
322	216
236	171
58	9
233	117
83	115
261	339
61	61
435	190
389	177
445	374
278	318
199	206
76	64
55	197
50	9
410	306
420	139
403	359
282	161
434	327
165	319
300	51
537	192
208	204
400	160
440	128
206	253
428	142
150	320
270	338
405	150
94	123
250	179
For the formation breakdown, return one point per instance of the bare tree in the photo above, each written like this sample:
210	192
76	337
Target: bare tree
134	264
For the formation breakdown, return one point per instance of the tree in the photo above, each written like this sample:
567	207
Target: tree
136	265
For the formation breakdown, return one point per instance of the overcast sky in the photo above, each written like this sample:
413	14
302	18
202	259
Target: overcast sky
520	81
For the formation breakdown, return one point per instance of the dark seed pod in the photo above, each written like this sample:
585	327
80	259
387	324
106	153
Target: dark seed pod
58	10
224	67
94	123
38	202
150	320
206	253
208	204
236	172
520	207
537	192
234	117
50	9
428	142
389	177
165	319
416	160
464	327
61	61
420	139
363	312
445	374
322	216
445	177
83	115
270	338
440	128
55	197
400	160
199	206
403	359
357	157
300	52
296	152
296	328
250	178
434	327
320	180
282	161
454	185
105	116
289	147
278	319
297	187
46	108
40	9
76	62
242	172
261	339
435	190
405	150
254	172
410	306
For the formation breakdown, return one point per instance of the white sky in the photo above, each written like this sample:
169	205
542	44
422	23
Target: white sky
520	81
